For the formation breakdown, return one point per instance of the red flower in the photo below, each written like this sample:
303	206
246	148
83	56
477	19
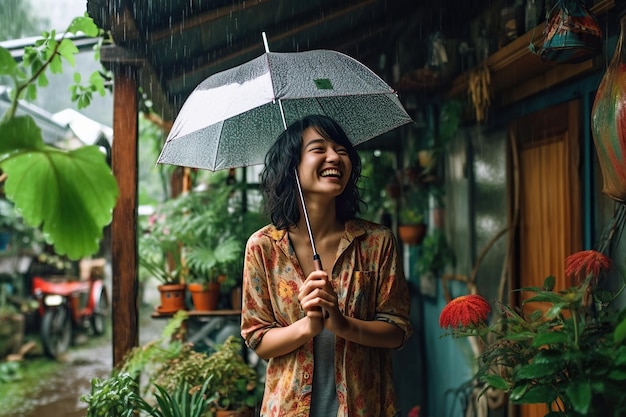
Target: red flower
465	311
415	411
590	262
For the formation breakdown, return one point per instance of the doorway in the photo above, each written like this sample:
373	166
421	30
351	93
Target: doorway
550	219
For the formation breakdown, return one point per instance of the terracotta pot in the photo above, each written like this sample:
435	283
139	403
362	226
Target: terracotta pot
412	234
205	297
172	298
235	298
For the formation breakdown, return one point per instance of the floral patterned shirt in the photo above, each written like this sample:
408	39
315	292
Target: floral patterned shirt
368	279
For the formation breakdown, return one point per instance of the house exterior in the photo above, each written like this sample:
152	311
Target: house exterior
522	185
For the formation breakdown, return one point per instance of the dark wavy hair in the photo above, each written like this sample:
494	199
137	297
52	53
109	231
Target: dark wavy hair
278	178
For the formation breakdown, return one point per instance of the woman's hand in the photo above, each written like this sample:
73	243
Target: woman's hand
319	301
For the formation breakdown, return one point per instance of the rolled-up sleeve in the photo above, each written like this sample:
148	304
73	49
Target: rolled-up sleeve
393	302
257	315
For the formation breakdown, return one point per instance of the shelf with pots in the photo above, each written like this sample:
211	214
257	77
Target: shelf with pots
197	241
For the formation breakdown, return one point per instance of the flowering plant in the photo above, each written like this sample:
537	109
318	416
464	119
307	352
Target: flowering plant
570	356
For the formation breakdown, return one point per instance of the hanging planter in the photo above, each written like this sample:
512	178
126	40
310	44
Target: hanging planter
608	121
571	34
412	234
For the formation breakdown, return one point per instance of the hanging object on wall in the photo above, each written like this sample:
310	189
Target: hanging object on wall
571	34
479	90
608	120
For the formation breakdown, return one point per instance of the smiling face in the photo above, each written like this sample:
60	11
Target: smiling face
325	166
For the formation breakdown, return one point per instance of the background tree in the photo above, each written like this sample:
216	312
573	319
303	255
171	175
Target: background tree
18	20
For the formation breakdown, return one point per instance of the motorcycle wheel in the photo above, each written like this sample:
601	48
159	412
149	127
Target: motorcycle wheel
56	331
100	313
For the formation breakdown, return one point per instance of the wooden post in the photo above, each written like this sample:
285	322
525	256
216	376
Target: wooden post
124	224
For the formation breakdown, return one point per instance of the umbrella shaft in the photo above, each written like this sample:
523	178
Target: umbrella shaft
316	258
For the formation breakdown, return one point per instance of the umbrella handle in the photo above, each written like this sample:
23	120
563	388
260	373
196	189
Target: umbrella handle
317	262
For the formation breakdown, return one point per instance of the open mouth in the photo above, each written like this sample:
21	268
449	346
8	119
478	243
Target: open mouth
331	173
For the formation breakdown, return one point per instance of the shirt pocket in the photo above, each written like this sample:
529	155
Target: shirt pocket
362	295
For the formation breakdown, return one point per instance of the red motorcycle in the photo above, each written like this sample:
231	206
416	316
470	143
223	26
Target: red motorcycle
69	304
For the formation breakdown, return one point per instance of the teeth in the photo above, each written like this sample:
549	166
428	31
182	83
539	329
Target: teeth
331	172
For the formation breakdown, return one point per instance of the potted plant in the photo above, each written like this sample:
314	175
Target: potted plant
233	382
198	239
122	396
207	264
435	253
160	257
411	216
565	349
186	241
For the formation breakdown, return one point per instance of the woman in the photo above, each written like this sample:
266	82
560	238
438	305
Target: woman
327	334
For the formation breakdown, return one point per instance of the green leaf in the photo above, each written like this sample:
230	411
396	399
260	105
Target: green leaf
97	81
533	395
42	81
617	374
548	283
537	370
549	297
31	92
495	381
518	391
56	65
67	50
69	194
17	134
579	394
550	338
620	332
7	63
83	24
522	335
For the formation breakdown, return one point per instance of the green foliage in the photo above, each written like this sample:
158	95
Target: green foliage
199	235
184	402
569	356
182	381
435	253
10	372
376	173
167	346
233	381
68	194
113	397
118	396
414	204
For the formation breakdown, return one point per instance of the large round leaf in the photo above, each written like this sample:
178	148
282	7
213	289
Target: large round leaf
69	194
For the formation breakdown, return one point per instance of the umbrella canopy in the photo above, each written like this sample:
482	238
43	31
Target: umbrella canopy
232	118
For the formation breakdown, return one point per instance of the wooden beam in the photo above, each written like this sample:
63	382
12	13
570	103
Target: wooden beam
124	224
244	51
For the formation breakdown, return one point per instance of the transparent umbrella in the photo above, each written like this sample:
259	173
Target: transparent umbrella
232	118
